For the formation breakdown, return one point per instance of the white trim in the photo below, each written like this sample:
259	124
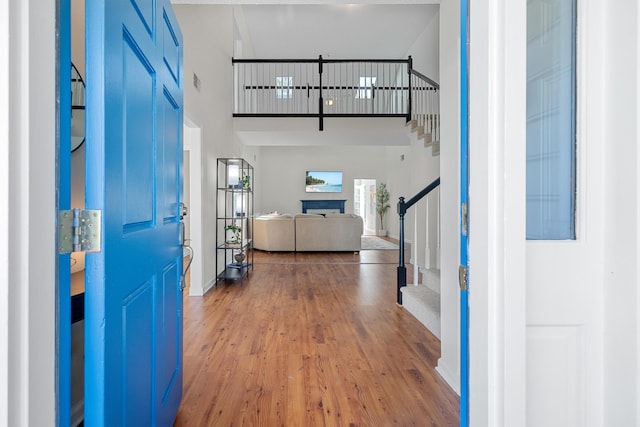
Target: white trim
4	213
427	244
449	374
637	343
193	144
31	266
210	284
497	213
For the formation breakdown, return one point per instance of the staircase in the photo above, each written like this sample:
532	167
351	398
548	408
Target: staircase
427	128
423	300
424	110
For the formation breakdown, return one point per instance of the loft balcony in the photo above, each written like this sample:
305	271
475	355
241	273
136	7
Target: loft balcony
335	88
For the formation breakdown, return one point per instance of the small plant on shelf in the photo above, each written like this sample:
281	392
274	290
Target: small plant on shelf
246	182
235	233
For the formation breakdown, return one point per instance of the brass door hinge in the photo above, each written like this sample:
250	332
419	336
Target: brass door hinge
463	277
464	218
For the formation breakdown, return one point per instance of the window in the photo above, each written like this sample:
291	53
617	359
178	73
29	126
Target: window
551	119
284	87
365	87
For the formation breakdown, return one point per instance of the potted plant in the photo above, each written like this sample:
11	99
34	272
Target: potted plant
246	182
382	205
235	233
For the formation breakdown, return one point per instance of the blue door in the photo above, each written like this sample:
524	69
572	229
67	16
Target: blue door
133	319
464	209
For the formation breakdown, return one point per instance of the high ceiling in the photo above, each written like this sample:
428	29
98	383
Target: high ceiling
339	29
336	31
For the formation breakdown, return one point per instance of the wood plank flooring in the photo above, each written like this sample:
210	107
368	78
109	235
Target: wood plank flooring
311	339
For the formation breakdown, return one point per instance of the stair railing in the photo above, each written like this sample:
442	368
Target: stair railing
424	105
402	210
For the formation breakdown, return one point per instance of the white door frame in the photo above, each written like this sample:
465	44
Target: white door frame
28	257
497	212
192	143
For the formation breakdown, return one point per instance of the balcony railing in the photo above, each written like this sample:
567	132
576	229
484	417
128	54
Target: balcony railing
331	88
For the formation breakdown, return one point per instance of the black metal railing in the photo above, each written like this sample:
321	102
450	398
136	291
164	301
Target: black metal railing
328	88
402	210
424	105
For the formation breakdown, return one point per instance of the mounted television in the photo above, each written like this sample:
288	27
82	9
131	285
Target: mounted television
323	182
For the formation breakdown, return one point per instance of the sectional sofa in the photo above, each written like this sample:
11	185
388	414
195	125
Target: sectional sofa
308	232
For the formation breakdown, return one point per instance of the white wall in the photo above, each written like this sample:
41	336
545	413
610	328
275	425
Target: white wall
448	364
208	47
5	388
282	175
425	50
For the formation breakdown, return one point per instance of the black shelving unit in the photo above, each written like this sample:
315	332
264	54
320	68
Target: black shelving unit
234	219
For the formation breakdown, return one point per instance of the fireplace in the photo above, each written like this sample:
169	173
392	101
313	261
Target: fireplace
322	206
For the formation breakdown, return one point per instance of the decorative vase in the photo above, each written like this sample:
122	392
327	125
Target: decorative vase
239	257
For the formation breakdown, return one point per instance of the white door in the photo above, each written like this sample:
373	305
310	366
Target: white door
563	346
364	196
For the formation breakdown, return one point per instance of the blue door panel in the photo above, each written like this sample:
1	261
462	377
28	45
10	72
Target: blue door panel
171	150
139	151
171	47
169	359
146	12
137	350
169	355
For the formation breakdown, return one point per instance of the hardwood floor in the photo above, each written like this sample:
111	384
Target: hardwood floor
311	339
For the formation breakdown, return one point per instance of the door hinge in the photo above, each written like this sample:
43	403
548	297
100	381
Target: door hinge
463	277
464	218
79	230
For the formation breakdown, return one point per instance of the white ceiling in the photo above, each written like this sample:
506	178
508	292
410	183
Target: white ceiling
339	31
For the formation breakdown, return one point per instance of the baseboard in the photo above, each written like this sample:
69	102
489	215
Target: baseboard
198	292
210	284
195	291
449	376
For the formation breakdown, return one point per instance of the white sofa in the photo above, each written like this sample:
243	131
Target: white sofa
308	232
274	233
329	232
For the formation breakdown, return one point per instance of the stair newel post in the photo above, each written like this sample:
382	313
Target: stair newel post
320	99
409	97
402	270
